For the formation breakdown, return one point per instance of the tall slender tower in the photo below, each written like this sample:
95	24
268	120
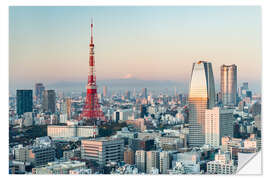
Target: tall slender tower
201	97
228	84
92	113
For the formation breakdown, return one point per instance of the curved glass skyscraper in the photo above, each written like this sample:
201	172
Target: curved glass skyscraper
201	97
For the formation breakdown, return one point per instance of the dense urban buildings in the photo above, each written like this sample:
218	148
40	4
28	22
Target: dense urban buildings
136	130
167	133
221	165
201	97
228	84
59	167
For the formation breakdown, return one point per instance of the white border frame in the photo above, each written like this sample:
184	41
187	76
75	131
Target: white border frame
4	40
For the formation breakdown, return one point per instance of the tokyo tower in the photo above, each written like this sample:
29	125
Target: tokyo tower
92	113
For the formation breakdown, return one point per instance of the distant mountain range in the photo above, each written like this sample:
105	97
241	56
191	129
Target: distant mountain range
120	84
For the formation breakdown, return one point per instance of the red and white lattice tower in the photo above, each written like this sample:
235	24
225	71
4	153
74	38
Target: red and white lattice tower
92	113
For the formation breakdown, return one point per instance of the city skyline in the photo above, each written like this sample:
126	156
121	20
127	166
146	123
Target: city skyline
161	95
38	45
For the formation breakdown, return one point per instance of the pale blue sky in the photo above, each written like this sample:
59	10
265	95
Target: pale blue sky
50	44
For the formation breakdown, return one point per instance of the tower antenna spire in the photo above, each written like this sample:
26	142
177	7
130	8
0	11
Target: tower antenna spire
92	30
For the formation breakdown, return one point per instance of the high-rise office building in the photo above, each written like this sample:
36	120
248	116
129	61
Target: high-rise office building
65	107
249	94
49	101
164	162
257	119
152	160
127	94
228	84
175	91
245	86
28	119
218	123
143	111
134	93
24	101
129	156
201	97
144	93
105	91
242	90
39	88
140	160
68	102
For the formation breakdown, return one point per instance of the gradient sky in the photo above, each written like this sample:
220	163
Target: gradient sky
49	44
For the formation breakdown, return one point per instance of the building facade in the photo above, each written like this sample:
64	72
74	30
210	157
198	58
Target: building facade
59	167
201	97
221	165
39	89
164	162
41	155
49	101
228	84
21	153
129	157
24	101
103	150
72	131
218	123
152	160
140	160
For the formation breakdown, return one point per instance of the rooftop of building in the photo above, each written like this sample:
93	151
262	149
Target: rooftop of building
63	164
102	139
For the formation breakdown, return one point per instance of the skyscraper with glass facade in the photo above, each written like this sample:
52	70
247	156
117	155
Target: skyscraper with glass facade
24	101
39	89
228	84
49	101
201	97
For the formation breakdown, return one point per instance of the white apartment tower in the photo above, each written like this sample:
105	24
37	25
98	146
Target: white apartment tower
164	162
152	160
218	123
140	160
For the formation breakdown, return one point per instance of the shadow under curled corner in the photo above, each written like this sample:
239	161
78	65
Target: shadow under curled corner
249	164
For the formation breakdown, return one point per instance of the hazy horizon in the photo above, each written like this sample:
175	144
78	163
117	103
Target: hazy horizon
125	84
50	44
